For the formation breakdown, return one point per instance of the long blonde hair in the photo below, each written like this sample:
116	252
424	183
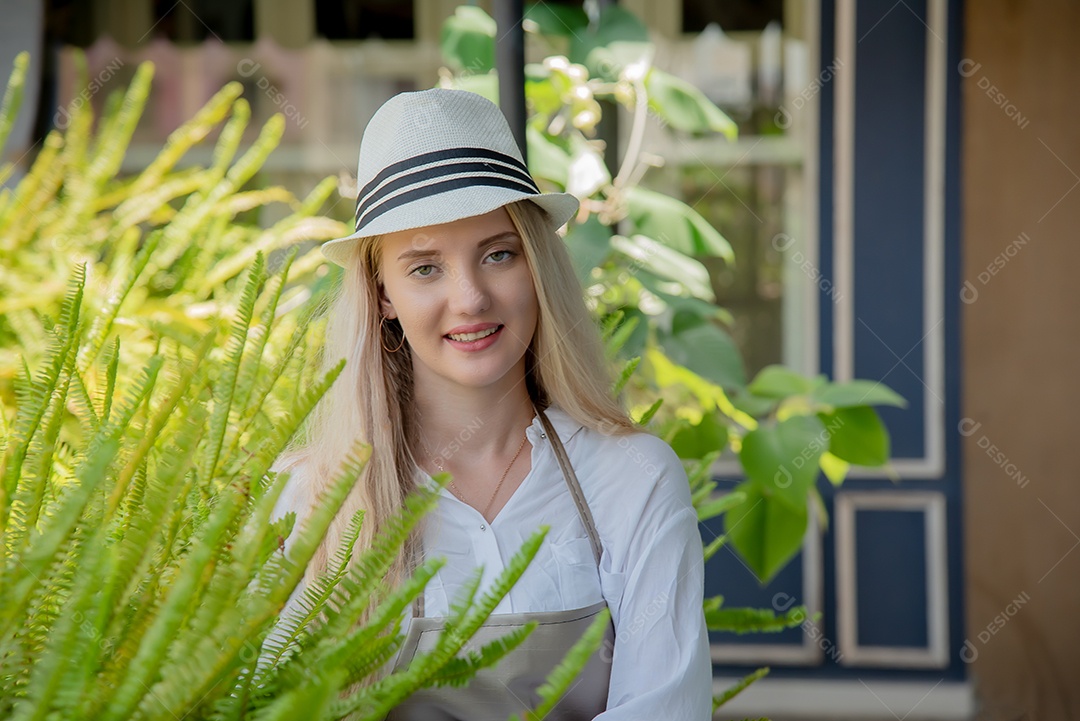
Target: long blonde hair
372	398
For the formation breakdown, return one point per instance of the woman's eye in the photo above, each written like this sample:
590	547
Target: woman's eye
506	254
417	269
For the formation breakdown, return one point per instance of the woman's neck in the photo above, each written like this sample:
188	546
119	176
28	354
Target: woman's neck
478	423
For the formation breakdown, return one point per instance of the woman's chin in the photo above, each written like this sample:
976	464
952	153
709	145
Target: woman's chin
478	375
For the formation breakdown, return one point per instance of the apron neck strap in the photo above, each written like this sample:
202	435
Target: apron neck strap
573	484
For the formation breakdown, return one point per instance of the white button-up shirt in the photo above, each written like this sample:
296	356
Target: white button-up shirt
651	571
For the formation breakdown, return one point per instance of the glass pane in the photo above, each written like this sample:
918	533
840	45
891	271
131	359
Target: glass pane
752	190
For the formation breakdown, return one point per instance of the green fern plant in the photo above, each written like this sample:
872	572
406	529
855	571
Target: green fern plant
164	248
141	579
140	575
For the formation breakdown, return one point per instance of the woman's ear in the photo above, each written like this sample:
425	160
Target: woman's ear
385	306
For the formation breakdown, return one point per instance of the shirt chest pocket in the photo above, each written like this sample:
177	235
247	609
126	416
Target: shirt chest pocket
579	580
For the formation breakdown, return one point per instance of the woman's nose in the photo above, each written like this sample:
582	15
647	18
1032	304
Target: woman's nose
469	294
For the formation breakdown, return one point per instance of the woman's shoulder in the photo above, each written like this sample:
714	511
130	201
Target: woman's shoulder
634	469
635	485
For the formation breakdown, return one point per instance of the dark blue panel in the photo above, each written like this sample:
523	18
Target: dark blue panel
890	80
890	568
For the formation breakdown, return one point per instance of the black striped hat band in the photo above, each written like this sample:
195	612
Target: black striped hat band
506	172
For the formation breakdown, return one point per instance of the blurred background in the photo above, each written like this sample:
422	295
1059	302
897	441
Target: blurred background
899	201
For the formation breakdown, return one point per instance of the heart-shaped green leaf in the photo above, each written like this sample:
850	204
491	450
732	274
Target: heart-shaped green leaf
857	435
766	532
783	458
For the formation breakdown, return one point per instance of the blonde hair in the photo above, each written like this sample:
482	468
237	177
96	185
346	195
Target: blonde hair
372	398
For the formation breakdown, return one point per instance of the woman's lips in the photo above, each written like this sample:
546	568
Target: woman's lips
475	345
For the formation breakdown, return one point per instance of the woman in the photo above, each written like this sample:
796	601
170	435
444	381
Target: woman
470	350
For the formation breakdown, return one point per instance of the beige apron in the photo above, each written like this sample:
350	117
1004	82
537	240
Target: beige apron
510	686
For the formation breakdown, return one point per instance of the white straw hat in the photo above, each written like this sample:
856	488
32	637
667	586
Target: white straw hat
436	156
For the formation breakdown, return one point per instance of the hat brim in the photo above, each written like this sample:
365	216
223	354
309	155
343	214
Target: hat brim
450	206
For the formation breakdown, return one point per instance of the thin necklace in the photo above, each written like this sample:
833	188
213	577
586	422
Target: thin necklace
494	493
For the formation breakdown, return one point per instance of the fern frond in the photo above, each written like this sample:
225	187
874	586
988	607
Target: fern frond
35	404
754	620
310	701
223	391
185	137
12	100
738	688
231	136
113	141
106	317
265	382
715	545
723	504
620	336
315	597
247	379
191	678
249	163
150	657
84	406
129	404
609	323
71	651
650	412
27	503
366	573
21	217
624	375
46	546
354	650
388	692
110	380
562	677
459	670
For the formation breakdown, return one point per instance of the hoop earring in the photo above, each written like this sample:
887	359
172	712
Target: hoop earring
388	350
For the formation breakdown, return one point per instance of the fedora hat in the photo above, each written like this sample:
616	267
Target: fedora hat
436	156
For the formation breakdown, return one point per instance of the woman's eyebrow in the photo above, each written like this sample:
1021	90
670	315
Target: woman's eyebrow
420	253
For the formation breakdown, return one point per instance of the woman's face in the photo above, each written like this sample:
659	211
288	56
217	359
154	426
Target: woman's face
450	286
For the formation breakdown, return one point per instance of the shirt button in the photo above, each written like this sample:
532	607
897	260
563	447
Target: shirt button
483	527
543	435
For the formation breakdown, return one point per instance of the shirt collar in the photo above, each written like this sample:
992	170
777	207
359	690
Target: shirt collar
564	425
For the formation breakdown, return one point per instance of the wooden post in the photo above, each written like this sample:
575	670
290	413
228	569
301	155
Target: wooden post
608	127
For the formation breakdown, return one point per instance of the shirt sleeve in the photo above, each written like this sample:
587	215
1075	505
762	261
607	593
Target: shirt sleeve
654	585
